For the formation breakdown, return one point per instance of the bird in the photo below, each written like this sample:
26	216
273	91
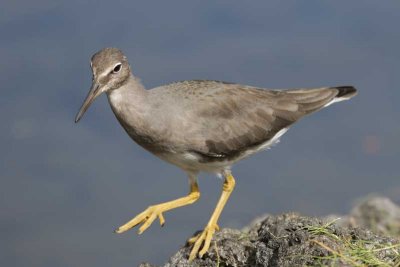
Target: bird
199	126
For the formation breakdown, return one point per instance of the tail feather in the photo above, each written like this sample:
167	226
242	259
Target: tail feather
346	92
311	100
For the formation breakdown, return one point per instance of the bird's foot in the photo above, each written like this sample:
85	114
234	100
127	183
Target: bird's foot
146	218
202	238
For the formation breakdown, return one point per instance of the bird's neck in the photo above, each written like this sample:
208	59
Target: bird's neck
130	104
131	94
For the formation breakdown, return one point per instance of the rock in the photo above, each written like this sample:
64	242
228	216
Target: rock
378	214
294	240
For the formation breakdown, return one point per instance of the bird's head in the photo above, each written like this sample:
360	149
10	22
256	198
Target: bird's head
110	70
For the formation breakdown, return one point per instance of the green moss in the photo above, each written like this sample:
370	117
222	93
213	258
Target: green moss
351	251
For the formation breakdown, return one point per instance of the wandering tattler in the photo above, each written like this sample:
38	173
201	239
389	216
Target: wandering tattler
199	125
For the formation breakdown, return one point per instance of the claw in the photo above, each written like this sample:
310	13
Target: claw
204	238
162	220
145	218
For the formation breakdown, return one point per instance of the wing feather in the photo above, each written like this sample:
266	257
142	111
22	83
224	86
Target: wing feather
238	118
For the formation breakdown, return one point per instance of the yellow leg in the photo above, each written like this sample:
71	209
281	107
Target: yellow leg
152	212
205	236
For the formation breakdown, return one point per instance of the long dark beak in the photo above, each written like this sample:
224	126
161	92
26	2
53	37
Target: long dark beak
93	93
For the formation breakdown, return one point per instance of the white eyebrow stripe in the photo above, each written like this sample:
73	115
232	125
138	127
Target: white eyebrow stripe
106	72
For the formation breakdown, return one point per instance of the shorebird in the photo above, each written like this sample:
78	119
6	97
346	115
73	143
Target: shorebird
199	126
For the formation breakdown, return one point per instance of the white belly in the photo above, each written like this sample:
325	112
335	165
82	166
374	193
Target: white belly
192	161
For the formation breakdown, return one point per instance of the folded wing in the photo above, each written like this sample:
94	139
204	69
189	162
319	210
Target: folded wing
240	118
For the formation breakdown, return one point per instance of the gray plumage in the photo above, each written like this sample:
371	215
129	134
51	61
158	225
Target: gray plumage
202	125
199	125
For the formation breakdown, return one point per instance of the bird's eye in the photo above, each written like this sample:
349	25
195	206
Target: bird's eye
117	68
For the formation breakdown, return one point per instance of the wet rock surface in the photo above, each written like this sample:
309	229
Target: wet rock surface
294	240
